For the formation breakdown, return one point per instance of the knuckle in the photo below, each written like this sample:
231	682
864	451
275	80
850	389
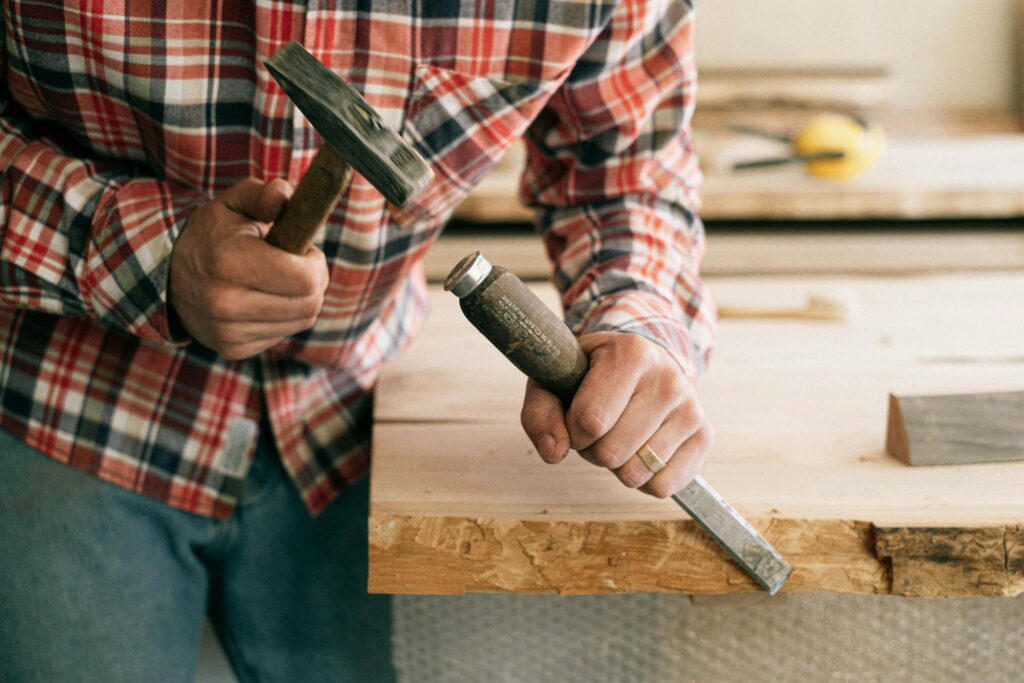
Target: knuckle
672	385
325	274
230	352
222	307
633	477
636	344
529	419
590	424
638	347
310	307
223	266
228	336
704	436
693	415
607	455
309	281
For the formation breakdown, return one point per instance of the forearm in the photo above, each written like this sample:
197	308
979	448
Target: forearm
632	265
81	237
613	173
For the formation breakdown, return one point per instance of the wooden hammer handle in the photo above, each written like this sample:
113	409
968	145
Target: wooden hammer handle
314	199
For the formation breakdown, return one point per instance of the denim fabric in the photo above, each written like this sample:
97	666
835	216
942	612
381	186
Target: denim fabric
101	584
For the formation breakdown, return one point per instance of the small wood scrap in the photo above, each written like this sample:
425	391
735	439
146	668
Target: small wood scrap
816	307
956	429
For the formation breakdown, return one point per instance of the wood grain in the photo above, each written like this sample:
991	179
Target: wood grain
917	177
770	252
957	429
461	502
954	562
849	89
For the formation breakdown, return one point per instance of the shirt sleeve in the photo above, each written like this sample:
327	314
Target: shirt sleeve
83	237
612	169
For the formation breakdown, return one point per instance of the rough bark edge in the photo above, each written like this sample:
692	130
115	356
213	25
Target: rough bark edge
935	562
456	555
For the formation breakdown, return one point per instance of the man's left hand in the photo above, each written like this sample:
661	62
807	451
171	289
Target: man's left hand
634	393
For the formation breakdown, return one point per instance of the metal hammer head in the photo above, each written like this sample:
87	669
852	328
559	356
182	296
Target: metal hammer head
349	124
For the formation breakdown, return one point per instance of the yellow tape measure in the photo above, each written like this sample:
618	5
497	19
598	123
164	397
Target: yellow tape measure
833	146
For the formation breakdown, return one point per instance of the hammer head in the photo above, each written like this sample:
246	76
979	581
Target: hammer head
349	124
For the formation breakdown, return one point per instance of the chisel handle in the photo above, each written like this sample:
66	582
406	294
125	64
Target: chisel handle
536	340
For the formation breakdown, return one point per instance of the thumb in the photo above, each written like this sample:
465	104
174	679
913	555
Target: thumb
258	201
272	199
543	420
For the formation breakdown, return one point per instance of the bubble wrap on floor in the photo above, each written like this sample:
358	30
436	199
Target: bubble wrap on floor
662	638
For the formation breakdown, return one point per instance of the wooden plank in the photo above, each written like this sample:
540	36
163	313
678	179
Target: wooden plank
1019	65
460	502
957	429
856	88
917	177
840	250
967	177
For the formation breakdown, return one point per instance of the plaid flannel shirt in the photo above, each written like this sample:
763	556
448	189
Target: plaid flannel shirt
119	118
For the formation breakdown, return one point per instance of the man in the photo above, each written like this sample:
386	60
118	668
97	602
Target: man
153	341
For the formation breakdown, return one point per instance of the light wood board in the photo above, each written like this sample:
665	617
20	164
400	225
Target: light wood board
917	177
838	250
461	503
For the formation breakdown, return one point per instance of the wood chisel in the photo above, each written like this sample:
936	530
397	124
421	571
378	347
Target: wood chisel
529	334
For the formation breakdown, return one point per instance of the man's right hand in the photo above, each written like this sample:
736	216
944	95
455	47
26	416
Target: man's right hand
231	290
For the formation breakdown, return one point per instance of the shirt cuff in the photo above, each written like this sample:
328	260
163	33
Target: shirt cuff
128	258
639	312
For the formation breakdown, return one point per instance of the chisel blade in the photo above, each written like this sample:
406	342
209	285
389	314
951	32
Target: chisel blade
734	533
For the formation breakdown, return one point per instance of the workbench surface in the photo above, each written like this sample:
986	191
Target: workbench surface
917	177
461	502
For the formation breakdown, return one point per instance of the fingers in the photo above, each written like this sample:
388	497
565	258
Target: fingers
231	290
249	306
255	264
682	466
257	200
640	419
238	334
665	441
247	350
543	420
272	199
635	393
602	397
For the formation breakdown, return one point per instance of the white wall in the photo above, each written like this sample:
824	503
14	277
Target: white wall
942	53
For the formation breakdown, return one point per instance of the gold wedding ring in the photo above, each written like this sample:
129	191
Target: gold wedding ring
650	458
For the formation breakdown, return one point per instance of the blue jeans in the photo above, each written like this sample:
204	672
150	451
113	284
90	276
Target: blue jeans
101	584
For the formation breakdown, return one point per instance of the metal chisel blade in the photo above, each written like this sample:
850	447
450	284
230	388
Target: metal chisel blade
734	533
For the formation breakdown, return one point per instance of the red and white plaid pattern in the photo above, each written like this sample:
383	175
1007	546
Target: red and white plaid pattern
120	118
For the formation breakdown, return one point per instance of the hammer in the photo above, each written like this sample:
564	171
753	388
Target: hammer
356	138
